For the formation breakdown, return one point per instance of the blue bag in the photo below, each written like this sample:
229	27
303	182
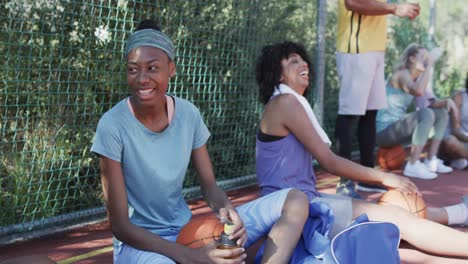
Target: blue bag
365	242
314	241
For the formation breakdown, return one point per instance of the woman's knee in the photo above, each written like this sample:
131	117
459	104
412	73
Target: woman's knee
296	203
426	115
379	212
441	114
452	147
450	142
405	220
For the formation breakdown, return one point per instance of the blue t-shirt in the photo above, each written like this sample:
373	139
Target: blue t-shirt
153	164
398	102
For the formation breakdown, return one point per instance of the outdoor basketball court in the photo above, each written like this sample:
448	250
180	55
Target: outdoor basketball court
93	243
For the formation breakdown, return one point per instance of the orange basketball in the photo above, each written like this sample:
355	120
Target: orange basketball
391	158
411	202
200	231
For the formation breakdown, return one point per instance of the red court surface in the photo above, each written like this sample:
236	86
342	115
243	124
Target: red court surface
92	244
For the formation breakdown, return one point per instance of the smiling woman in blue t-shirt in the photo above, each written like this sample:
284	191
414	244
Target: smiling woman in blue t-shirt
145	144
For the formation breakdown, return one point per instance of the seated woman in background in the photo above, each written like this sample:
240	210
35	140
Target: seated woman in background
454	147
396	126
289	138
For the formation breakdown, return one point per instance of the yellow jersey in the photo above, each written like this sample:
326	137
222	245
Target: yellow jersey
359	33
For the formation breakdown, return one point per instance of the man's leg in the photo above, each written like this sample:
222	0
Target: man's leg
366	132
343	138
357	74
366	137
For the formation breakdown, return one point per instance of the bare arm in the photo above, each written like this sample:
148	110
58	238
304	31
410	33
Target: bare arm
215	196
295	120
458	133
455	118
376	8
414	87
437	103
449	104
116	201
454	114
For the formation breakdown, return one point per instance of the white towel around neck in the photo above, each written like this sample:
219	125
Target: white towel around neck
284	89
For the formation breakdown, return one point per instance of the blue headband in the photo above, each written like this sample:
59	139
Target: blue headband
152	38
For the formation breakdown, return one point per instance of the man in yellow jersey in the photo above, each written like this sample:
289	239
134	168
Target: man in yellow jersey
360	44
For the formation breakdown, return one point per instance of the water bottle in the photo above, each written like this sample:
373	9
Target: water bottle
224	241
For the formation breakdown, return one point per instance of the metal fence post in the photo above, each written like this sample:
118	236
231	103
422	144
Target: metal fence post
319	75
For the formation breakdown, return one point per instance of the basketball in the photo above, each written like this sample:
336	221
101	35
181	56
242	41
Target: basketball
413	203
200	231
391	158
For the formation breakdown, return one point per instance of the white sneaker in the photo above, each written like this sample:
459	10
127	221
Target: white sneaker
418	170
465	201
436	165
459	164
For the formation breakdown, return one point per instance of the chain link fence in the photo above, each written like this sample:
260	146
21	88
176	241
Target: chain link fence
63	68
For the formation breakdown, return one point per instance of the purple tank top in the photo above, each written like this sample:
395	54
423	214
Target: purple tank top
285	163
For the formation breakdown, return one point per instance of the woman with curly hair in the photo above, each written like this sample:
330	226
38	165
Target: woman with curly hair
289	139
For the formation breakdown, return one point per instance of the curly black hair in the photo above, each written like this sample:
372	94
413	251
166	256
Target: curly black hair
148	24
268	68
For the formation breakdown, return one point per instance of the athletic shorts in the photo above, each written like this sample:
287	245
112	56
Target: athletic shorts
342	207
362	82
258	216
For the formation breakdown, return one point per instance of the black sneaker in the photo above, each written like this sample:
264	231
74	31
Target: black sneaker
363	187
348	189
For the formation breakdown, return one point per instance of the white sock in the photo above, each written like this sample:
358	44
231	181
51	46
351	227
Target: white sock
457	214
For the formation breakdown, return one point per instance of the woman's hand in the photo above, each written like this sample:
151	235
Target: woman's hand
393	181
427	59
239	231
210	254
